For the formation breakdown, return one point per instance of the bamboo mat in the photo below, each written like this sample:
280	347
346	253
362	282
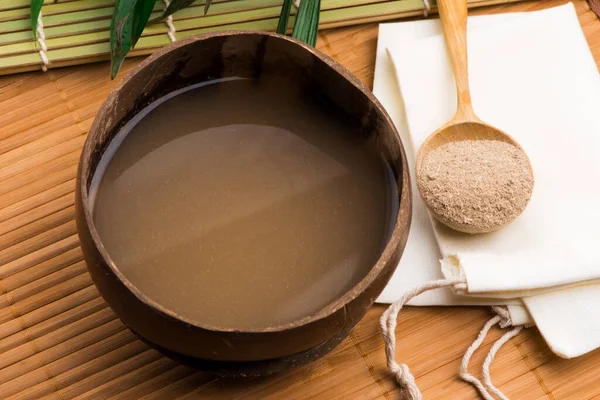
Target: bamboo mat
77	31
58	339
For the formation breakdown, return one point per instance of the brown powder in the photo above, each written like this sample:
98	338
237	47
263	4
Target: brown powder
476	186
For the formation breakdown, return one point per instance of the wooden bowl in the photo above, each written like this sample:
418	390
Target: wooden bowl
233	352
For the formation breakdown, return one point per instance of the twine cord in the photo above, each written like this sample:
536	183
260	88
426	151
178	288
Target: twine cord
169	23
426	8
41	39
487	380
401	371
388	329
464	373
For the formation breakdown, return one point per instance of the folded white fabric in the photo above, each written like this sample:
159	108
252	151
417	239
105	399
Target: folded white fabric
533	76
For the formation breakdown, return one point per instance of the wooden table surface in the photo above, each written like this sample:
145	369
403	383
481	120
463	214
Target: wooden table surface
43	122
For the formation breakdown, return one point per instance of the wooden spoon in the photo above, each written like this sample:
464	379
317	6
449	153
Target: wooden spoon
465	125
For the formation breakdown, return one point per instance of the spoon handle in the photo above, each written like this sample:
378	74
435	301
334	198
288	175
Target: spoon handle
453	16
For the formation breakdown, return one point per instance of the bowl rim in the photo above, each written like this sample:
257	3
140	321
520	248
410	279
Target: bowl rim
396	242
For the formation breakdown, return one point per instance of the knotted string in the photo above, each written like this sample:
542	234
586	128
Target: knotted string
426	8
41	39
169	23
401	371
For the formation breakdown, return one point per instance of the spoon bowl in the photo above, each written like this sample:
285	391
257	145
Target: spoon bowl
465	125
458	132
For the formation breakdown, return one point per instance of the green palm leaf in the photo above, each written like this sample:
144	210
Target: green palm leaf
121	30
36	8
207	5
284	16
128	22
176	5
306	27
142	11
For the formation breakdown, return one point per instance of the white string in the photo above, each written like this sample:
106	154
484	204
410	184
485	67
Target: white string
388	329
503	318
502	312
464	366
487	379
426	8
41	39
401	372
169	23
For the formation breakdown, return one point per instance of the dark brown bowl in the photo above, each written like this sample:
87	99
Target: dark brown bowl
231	352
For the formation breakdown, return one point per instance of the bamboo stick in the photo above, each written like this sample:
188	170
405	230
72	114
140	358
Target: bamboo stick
58	339
43	143
44	239
262	25
61	149
58	19
52	324
43	269
23	380
43	104
129	373
29	134
15	284
71	345
35	214
36	171
13	4
181	387
48	311
46	297
24	292
72	376
76	28
155	383
35	188
33	229
42	255
55	8
22	249
37	200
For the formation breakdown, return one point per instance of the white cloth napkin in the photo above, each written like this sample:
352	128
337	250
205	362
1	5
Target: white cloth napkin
532	75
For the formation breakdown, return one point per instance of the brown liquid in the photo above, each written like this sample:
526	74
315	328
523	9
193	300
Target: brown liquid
243	205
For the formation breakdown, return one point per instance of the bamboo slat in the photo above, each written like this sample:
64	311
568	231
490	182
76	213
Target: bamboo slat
69	380
52	324
22	236
59	340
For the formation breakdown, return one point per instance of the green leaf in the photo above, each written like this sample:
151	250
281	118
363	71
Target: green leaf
142	11
177	5
306	26
206	6
36	8
284	16
121	31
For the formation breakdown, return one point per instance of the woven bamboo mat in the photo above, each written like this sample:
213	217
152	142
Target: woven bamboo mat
77	31
58	339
